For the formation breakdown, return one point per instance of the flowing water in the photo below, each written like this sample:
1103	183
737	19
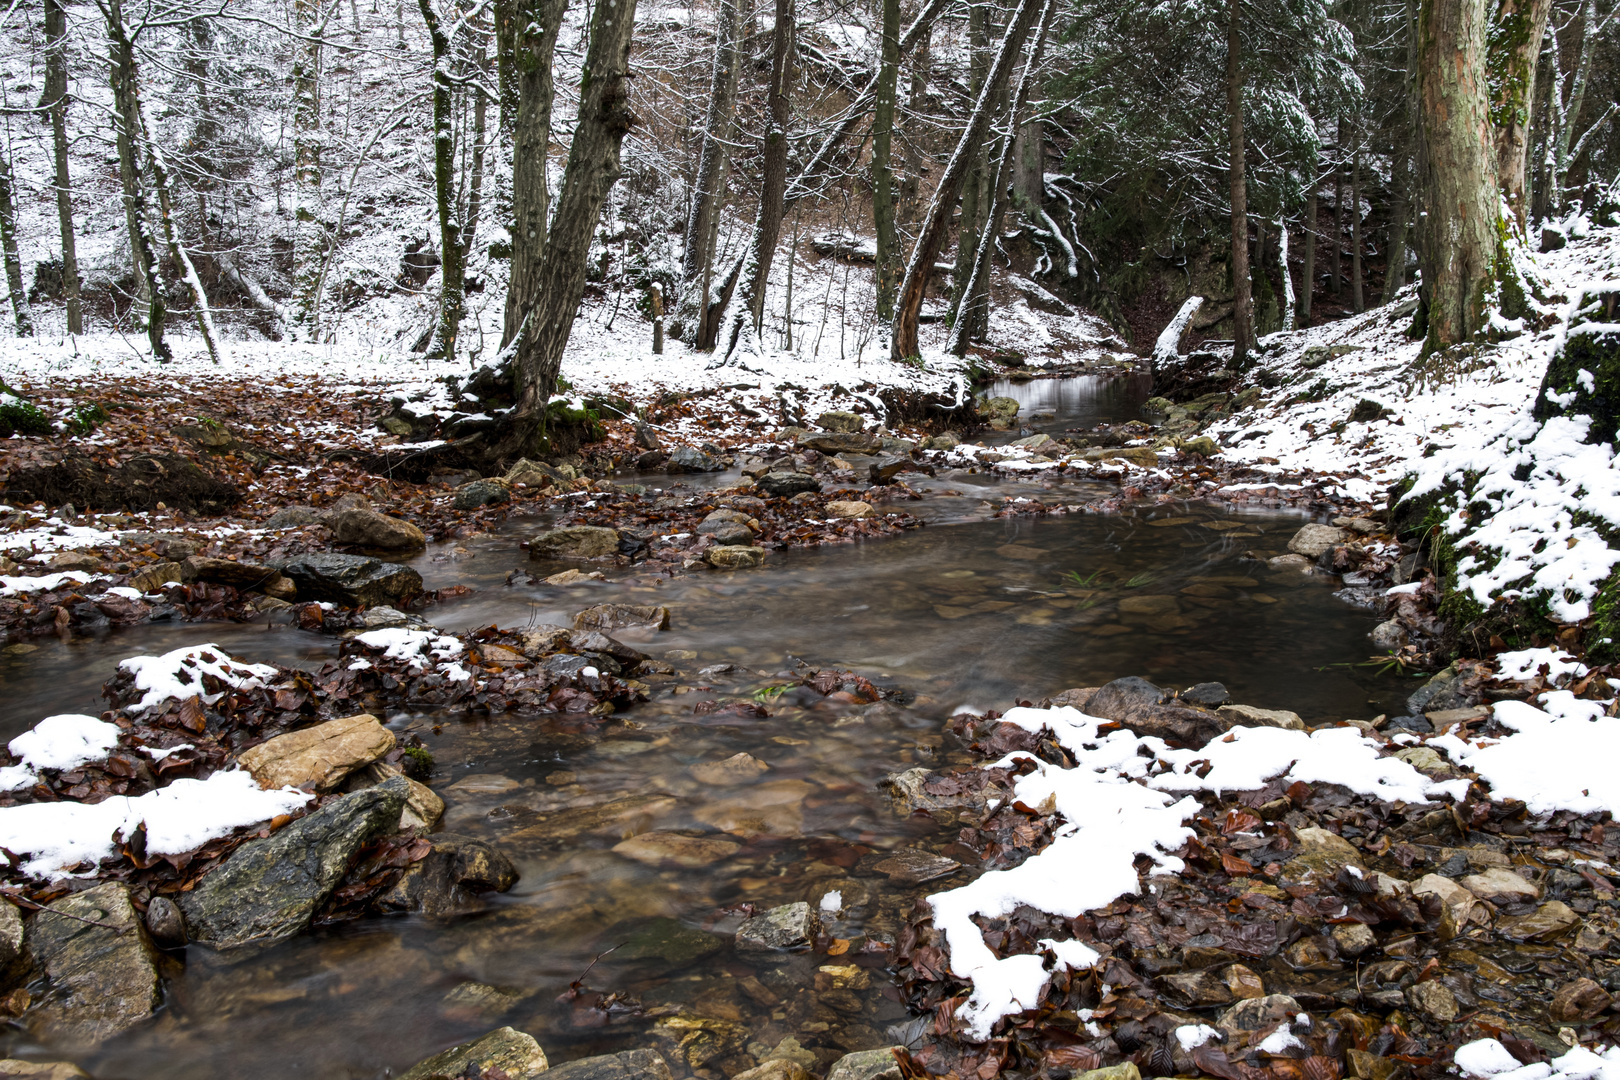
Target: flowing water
967	612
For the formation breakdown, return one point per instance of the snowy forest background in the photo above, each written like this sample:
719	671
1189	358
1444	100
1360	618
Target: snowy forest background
290	147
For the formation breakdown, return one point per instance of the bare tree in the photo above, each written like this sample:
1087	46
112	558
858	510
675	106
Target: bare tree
888	83
56	100
534	42
1242	306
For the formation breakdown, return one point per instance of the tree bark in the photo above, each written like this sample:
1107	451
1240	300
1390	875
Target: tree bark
56	99
1029	166
127	119
904	343
1571	113
452	261
962	331
593	168
1242	315
534	43
883	219
475	184
1308	265
708	187
1513	45
975	186
160	181
1459	235
1336	278
1401	167
8	243
309	236
508	91
773	188
1356	297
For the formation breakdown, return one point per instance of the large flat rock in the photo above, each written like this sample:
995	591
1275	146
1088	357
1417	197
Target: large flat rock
318	758
102	968
503	1052
630	1065
352	580
270	889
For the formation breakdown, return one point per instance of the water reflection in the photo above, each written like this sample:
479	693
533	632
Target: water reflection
1080	401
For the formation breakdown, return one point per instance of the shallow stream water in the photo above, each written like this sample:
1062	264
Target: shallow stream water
966	613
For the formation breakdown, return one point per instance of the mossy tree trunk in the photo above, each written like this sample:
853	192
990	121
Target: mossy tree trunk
1462	230
1242	313
127	120
593	168
530	50
1513	45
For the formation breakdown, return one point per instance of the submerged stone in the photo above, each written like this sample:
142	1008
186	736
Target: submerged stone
94	948
503	1052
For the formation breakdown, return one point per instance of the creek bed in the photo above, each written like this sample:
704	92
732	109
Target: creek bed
966	613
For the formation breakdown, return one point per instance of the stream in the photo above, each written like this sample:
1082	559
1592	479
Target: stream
967	613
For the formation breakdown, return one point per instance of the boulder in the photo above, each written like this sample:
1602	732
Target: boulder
630	1065
293	517
726	530
886	468
574	542
734	557
846	442
840	421
503	1052
1288	562
775	1069
947	441
320	757
791	926
880	1064
850	510
1000	408
369	529
909	793
1353	939
102	972
1501	886
270	889
622	616
1313	541
535	474
787	484
1319	855
352	580
482	493
1457	903
1434	1001
1543	924
691	459
13	955
452	878
1136	703
1249	716
1210	695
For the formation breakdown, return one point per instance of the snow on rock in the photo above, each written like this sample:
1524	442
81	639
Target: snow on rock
1524	664
57	535
57	742
419	647
18	585
1488	1059
1117	804
57	837
177	675
1560	756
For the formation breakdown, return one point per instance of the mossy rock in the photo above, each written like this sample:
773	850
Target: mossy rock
1603	635
1583	377
20	417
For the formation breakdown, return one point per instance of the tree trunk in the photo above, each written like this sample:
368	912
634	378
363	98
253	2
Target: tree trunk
1401	166
160	180
8	243
1289	300
904	344
1459	235
773	189
978	279
593	167
127	113
1029	166
507	65
535	41
452	257
1308	265
1513	46
1336	278
1571	113
975	186
57	100
1356	298
309	239
475	185
708	188
1242	316
888	84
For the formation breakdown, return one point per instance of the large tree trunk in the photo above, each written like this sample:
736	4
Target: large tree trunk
883	221
56	99
1029	166
1308	266
506	16
962	331
904	343
534	42
749	313
1401	166
452	257
1460	233
708	187
1512	48
1242	315
1357	299
976	185
593	167
127	120
8	244
1571	113
475	183
309	233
